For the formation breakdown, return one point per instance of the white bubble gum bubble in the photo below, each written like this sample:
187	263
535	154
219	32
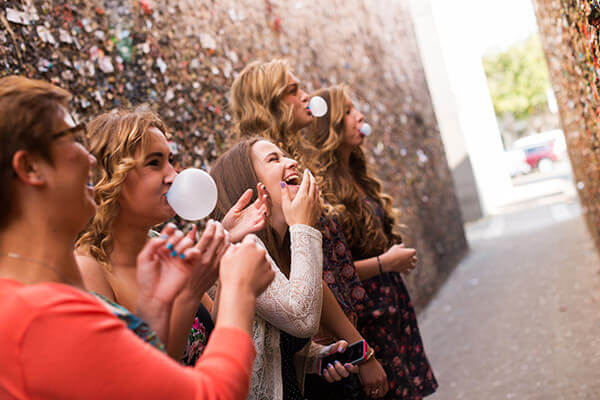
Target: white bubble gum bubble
317	106
193	194
366	129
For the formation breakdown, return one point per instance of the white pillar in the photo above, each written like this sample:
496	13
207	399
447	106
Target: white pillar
447	36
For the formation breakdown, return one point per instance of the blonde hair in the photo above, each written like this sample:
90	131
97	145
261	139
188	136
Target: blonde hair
116	138
255	97
336	182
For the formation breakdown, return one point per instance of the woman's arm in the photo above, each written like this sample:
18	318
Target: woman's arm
294	305
396	259
335	321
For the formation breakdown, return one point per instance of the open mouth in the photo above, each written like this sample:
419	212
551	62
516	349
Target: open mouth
292	180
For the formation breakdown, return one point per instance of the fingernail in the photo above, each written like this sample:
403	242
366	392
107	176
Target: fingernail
329	365
347	365
337	362
170	246
173	253
282	184
164	236
340	349
182	256
171	225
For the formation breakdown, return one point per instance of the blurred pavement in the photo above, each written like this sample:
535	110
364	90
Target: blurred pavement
519	317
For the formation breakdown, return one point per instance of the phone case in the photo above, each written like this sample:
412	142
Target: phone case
361	343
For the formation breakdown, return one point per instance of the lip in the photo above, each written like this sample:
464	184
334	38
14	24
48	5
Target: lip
308	111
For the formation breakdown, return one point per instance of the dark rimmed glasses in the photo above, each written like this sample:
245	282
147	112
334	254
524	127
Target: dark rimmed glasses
79	133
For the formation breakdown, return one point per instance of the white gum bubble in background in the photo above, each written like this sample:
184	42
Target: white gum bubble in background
317	106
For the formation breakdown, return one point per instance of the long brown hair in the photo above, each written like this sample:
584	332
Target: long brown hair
234	173
364	231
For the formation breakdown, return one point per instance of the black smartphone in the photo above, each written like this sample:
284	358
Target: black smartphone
354	354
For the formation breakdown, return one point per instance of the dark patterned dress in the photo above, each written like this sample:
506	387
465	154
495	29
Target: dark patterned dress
289	346
340	275
199	335
389	324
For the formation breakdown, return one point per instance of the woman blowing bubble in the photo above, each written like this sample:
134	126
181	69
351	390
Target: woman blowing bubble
389	322
59	341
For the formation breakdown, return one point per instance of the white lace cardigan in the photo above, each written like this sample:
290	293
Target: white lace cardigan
292	305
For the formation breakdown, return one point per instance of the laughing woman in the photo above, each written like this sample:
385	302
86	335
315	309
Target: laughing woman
368	222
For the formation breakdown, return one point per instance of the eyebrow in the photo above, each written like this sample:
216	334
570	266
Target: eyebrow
155	154
273	153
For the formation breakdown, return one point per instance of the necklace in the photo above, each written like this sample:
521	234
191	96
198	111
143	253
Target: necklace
41	263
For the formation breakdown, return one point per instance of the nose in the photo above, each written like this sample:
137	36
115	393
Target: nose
360	118
303	96
171	174
290	163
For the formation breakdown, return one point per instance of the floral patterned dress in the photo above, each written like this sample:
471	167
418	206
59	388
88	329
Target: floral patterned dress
134	323
199	335
342	279
389	324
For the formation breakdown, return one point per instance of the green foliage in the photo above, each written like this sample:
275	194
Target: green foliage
518	79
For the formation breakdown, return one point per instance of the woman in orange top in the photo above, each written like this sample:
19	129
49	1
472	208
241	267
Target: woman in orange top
59	341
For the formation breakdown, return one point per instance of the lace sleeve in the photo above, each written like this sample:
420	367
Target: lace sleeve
294	305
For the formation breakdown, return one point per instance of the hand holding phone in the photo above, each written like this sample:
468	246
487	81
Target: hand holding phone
353	355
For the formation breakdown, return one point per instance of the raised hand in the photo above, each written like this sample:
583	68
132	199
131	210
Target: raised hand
304	207
205	261
245	267
399	259
243	219
162	271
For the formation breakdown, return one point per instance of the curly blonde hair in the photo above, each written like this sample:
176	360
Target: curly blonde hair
337	183
116	139
256	104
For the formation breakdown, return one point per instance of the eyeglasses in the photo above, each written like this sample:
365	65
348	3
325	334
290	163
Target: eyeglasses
79	133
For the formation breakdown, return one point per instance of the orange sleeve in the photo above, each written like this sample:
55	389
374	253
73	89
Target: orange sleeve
74	348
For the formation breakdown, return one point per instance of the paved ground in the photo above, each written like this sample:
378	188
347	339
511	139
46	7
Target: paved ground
520	317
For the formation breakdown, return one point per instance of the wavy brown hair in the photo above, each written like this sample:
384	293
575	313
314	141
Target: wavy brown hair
234	173
364	231
256	104
116	140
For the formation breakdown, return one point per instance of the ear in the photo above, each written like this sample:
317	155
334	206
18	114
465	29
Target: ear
27	166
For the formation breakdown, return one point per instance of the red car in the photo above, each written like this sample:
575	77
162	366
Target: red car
542	150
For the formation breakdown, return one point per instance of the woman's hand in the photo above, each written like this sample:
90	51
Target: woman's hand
161	274
398	259
337	371
242	219
304	208
373	379
205	262
245	268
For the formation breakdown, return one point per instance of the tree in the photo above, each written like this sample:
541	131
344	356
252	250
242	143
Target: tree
518	79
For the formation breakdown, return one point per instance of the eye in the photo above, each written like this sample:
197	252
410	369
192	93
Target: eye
153	162
171	159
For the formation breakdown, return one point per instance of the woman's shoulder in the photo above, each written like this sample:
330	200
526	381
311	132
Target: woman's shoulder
93	273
